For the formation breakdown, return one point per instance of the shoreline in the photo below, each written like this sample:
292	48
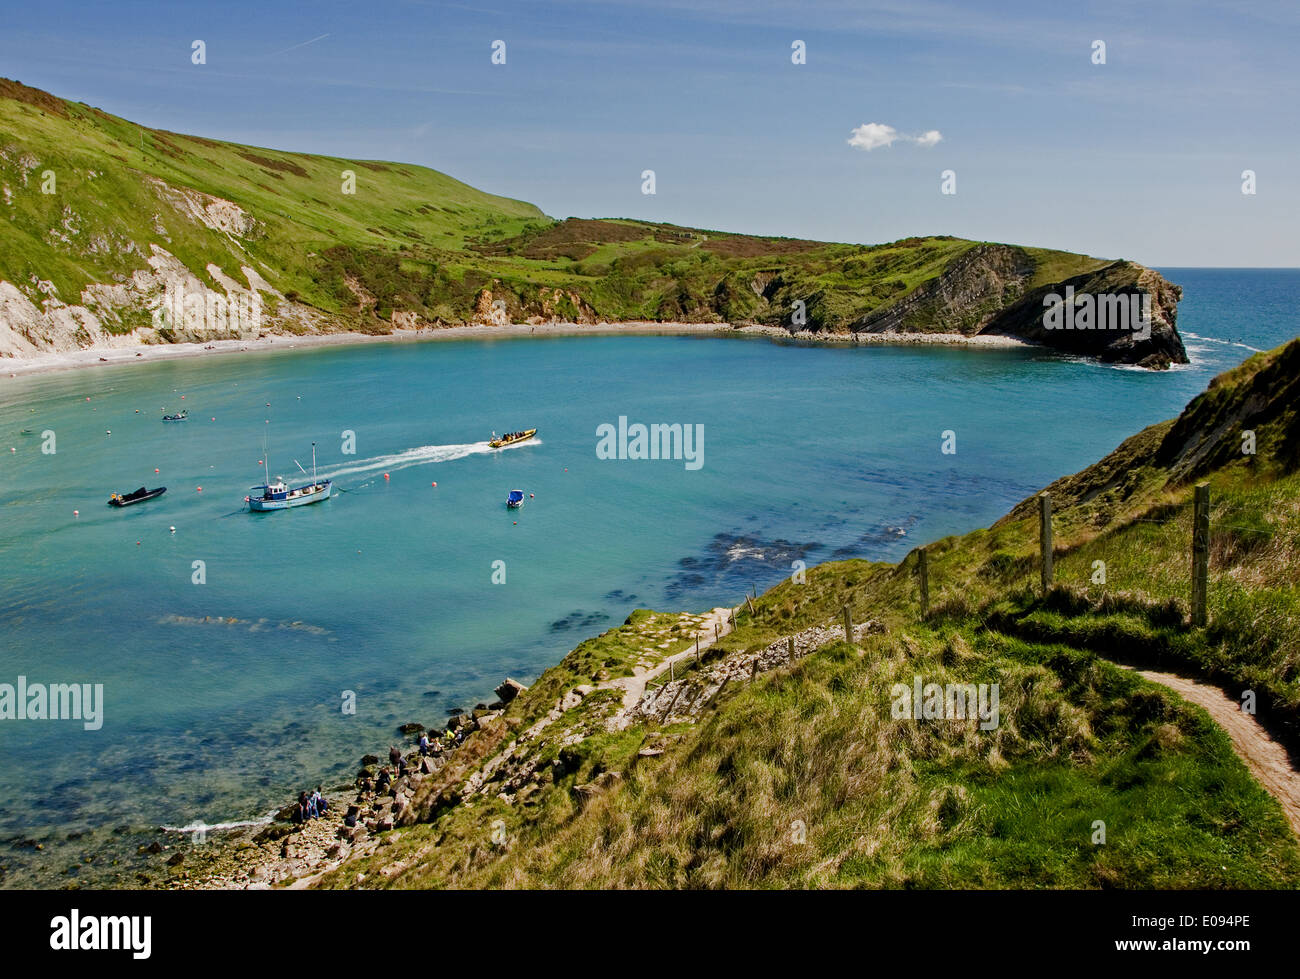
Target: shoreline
137	353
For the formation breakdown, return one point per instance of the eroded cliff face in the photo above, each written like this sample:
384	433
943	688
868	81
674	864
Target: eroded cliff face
963	299
1151	342
987	291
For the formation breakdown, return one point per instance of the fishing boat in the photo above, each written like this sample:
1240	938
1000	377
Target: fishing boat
515	500
176	418
279	495
139	496
510	438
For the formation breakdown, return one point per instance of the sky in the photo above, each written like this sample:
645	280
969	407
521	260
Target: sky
1140	157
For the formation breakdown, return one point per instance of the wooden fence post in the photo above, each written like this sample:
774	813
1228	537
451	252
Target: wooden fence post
923	571
848	625
697	649
1201	555
789	648
1045	537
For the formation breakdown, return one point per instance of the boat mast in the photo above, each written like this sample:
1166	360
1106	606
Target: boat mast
313	465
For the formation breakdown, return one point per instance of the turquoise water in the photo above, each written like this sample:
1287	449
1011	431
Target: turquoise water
387	590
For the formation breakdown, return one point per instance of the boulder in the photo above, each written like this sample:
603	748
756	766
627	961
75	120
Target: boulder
411	728
509	690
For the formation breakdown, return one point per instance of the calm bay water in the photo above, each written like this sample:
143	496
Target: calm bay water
387	589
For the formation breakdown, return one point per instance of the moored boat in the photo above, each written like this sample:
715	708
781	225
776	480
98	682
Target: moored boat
515	500
279	495
139	496
176	418
510	438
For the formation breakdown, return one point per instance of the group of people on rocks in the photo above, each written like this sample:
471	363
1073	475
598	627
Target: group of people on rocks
310	806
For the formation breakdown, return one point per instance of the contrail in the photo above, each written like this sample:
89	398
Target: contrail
294	47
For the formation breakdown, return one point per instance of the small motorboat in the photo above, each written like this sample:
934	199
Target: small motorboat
510	438
139	496
515	500
176	418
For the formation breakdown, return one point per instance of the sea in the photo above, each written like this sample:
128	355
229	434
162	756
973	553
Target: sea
243	657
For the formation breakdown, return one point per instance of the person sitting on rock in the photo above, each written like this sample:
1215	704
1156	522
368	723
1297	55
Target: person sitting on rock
301	811
436	747
311	806
383	781
319	800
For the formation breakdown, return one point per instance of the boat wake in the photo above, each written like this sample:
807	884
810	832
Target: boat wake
424	455
1226	343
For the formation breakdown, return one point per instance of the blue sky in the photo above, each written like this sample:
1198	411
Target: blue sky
1138	158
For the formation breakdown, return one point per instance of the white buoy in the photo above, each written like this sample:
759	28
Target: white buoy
172	529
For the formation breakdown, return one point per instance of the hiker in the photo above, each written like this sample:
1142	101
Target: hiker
401	767
300	812
393	754
437	747
424	744
311	806
319	800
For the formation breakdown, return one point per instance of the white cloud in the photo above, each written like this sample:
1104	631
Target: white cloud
873	135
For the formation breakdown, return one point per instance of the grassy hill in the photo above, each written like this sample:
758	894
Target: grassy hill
795	774
411	246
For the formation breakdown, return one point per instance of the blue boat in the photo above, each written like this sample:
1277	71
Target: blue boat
278	495
515	500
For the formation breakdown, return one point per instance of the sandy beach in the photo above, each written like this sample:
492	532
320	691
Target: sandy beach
93	356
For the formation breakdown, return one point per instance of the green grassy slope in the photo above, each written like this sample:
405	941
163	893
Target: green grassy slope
413	240
101	163
802	778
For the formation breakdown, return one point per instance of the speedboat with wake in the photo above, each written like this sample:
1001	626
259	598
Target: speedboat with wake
279	495
510	438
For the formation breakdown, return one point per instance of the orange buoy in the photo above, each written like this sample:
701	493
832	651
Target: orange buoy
435	485
385	475
532	496
76	513
200	489
155	470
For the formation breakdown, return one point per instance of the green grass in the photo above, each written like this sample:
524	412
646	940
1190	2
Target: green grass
416	240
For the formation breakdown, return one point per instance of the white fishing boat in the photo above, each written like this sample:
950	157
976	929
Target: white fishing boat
277	494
